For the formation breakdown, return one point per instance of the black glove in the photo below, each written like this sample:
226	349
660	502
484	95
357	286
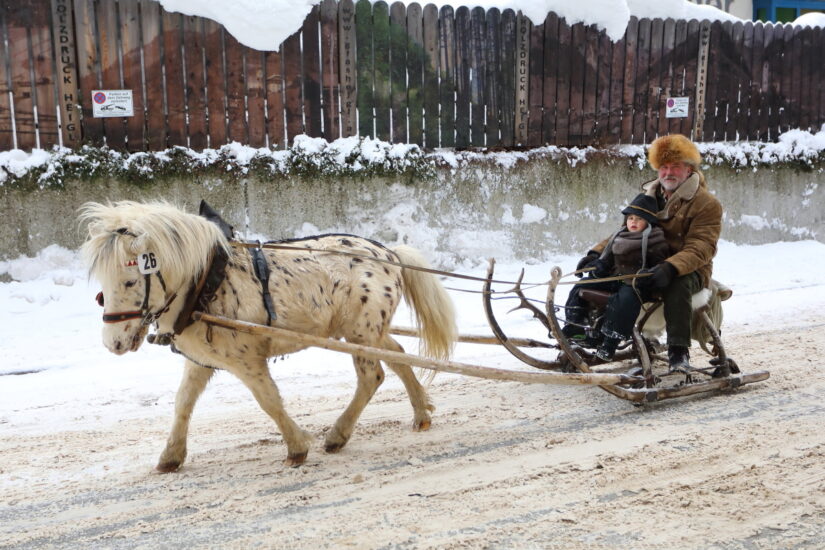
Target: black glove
587	261
600	268
661	276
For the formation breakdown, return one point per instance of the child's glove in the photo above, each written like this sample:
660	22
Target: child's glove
661	276
600	268
587	261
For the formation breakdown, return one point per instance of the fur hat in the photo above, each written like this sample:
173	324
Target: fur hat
673	148
643	206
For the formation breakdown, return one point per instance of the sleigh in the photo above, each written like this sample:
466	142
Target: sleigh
639	357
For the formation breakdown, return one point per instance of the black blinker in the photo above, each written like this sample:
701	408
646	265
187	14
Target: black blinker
99	299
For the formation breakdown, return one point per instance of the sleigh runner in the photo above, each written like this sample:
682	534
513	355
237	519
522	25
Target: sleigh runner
214	301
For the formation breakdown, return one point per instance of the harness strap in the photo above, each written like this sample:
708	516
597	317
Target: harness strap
262	272
202	292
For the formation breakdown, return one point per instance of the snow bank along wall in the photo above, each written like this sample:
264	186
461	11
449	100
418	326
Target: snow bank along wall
520	212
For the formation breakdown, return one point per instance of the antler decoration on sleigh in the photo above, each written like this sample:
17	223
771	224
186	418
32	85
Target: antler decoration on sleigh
524	304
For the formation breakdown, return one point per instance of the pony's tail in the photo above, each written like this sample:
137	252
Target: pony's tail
434	312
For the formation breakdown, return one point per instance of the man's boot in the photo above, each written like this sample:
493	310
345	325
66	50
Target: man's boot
678	358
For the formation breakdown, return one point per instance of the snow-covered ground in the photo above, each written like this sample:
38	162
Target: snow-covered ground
51	330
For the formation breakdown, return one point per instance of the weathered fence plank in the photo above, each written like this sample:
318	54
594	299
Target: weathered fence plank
507	93
330	72
381	65
293	101
275	100
462	77
629	88
255	97
591	85
347	63
196	90
129	17
173	64
7	140
659	66
604	60
311	73
415	73
431	95
642	72
398	71
691	70
617	72
18	23
155	133
366	97
536	94
235	90
492	68
113	127
213	35
68	99
563	83
44	80
478	81
446	66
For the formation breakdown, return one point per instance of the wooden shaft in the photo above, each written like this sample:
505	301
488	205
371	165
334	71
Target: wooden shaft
477	338
416	361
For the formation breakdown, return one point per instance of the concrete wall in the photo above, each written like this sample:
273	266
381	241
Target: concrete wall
477	211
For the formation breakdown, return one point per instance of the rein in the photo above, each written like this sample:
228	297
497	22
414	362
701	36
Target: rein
274	246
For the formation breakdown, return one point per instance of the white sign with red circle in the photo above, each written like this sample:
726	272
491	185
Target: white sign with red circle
112	103
677	107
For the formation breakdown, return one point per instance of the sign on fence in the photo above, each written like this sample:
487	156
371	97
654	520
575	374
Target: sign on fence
112	103
677	107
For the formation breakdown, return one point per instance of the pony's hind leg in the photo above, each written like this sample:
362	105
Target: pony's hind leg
418	395
260	383
370	376
191	387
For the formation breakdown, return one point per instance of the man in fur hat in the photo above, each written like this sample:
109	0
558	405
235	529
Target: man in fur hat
691	218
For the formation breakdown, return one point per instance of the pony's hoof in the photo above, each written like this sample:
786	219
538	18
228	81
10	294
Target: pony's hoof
167	467
333	447
421	426
293	461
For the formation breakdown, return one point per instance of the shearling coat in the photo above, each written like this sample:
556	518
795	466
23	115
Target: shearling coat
625	254
692	222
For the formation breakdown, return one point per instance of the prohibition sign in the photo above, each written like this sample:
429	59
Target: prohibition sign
100	97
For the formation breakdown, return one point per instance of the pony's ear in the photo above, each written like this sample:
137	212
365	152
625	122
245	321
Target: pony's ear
139	243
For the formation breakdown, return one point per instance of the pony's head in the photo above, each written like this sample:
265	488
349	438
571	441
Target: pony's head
144	255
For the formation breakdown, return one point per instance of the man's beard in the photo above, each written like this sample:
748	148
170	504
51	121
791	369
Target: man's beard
670	185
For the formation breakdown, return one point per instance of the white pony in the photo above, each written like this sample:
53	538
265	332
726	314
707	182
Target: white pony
156	263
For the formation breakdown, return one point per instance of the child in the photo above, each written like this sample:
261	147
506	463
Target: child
638	245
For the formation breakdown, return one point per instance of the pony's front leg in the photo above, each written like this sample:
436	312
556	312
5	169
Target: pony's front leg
260	383
191	387
370	376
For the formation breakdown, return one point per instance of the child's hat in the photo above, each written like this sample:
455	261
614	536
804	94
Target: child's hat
643	206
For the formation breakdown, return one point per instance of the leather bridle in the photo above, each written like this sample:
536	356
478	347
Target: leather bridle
146	316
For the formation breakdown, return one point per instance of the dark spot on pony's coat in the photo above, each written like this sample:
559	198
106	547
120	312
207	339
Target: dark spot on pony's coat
373	252
368	273
383	315
242	268
386	271
388	295
388	289
287	282
389	257
315	303
345	242
363	299
357	261
320	288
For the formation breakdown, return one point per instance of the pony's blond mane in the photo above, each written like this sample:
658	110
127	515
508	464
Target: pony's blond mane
119	232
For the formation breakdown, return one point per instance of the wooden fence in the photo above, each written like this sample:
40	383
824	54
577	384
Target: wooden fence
438	78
